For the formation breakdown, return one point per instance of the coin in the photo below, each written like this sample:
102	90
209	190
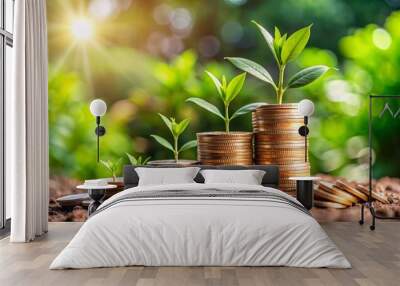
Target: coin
325	204
346	187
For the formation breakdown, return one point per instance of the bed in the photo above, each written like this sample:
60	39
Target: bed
197	224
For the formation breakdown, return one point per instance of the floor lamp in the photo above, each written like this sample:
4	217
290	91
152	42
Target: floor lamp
98	108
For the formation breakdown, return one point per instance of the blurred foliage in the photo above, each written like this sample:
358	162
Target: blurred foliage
340	128
143	63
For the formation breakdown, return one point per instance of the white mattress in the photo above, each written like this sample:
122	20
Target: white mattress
200	231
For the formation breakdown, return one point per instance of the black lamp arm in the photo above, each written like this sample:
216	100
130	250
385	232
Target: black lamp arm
100	131
303	131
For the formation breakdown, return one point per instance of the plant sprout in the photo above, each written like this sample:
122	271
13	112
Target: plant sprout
227	92
284	49
112	167
137	161
176	130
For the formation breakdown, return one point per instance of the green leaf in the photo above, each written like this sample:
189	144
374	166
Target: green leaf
107	165
166	121
246	109
282	41
163	142
132	159
139	161
278	43
307	76
188	145
145	161
206	105
268	38
216	82
277	34
234	87
118	163
295	44
182	126
223	83
174	125
277	40
252	68
111	166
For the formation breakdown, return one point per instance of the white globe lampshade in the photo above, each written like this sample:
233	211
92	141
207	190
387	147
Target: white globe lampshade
306	107
98	107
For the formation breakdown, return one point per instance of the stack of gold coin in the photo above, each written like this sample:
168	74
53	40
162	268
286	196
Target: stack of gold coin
221	148
279	117
277	141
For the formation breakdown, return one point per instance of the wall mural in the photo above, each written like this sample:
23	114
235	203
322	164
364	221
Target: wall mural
381	115
387	109
171	72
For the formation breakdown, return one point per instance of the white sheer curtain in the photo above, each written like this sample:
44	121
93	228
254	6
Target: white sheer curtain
27	124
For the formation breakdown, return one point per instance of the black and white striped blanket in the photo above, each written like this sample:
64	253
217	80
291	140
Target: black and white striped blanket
205	194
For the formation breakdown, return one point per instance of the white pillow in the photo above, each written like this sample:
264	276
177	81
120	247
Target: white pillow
247	177
166	176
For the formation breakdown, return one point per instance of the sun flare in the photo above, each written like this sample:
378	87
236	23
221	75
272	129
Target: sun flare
82	29
84	34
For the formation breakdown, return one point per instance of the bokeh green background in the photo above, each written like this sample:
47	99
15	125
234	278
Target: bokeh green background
149	56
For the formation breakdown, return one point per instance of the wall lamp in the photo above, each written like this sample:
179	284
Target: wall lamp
98	108
306	109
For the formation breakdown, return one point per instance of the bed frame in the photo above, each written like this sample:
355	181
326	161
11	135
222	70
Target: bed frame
271	177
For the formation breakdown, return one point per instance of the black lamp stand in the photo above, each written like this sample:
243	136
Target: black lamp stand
305	192
100	131
303	131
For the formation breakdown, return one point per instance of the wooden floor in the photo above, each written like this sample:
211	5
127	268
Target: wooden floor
375	257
